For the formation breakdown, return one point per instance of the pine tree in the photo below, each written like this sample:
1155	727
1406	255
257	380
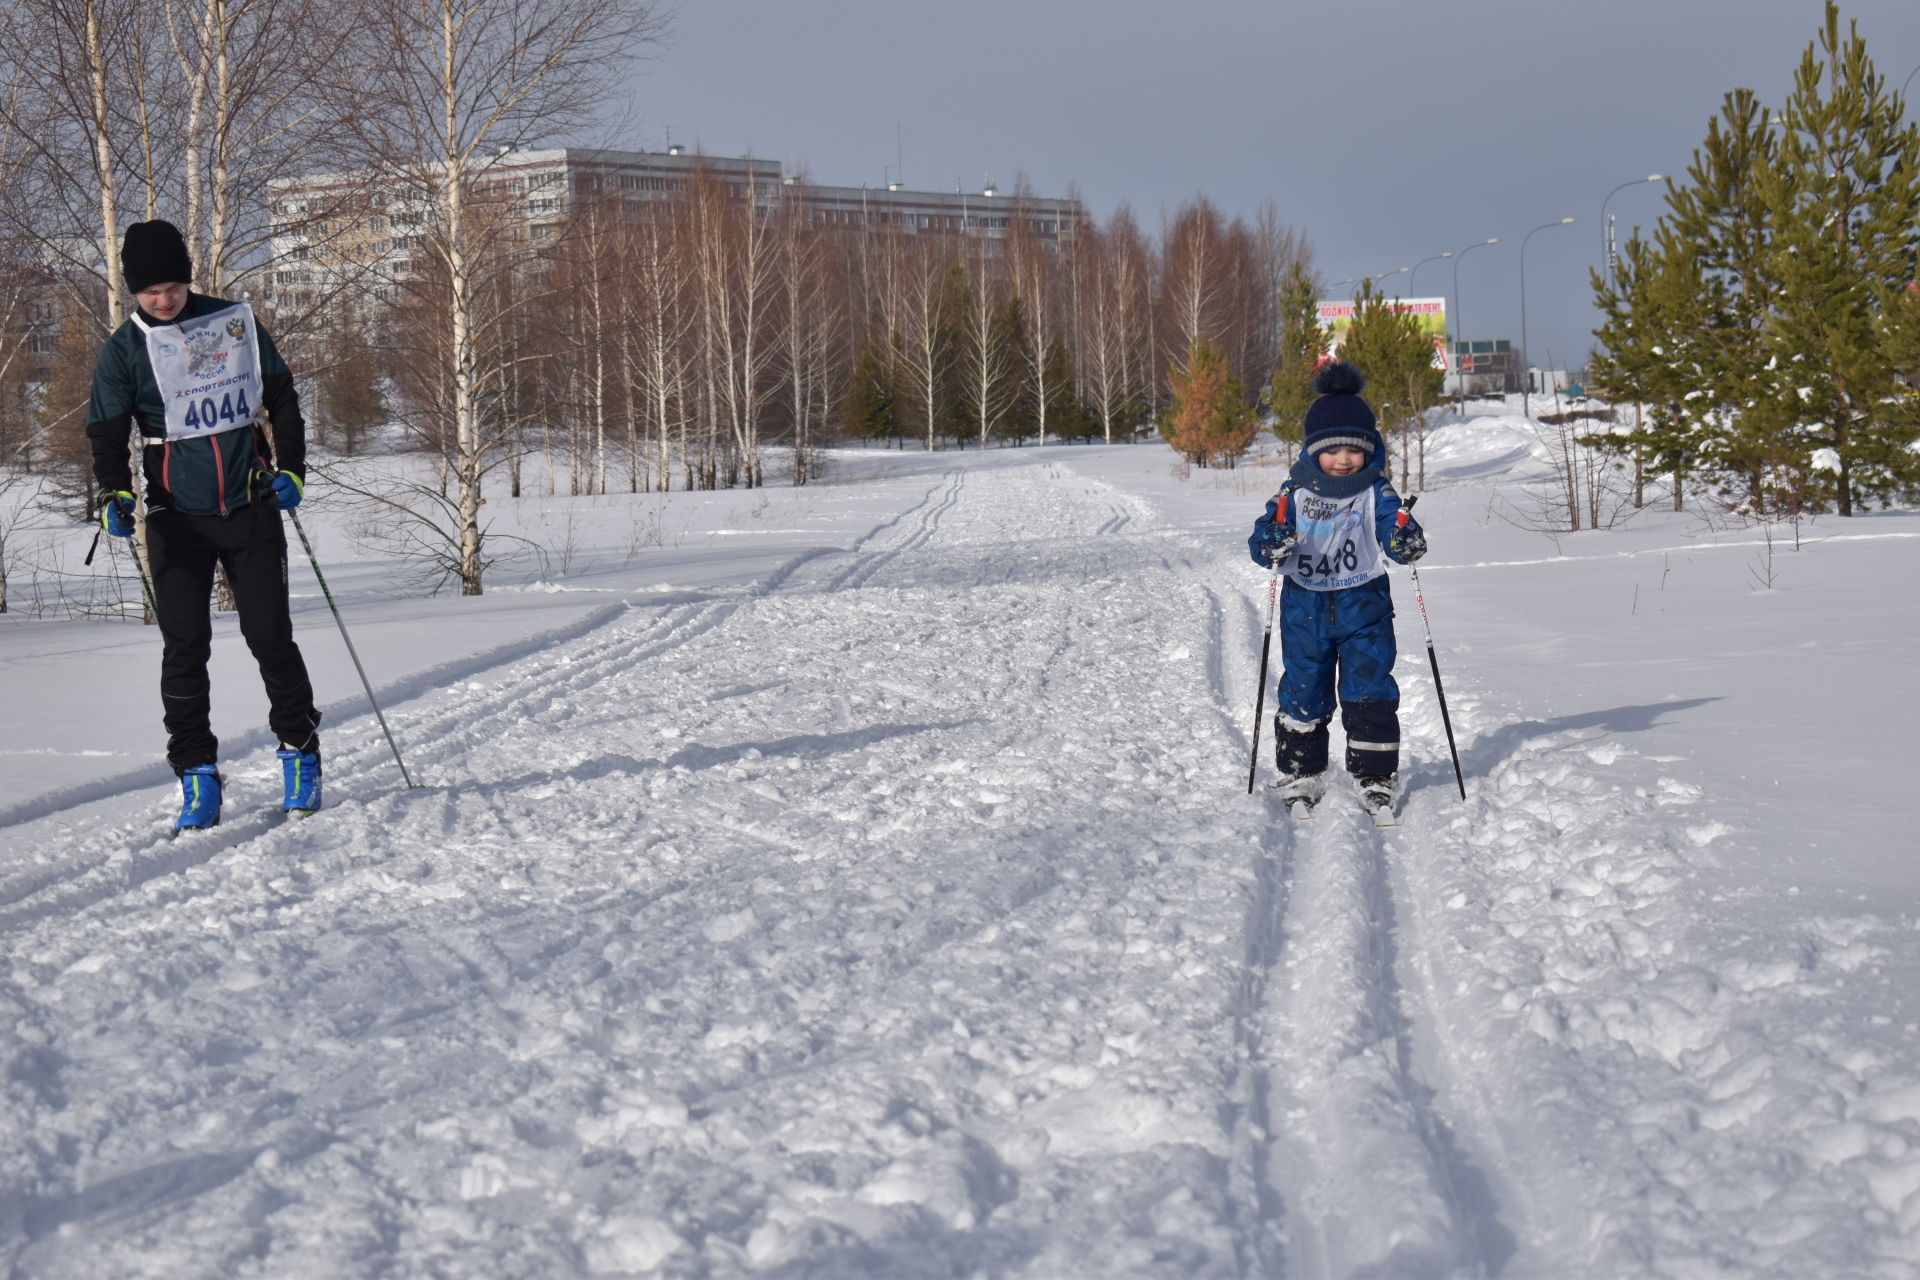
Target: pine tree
1387	345
1656	346
1714	246
1303	345
1207	419
1846	197
1625	365
68	457
1770	318
353	393
1018	415
1067	417
868	404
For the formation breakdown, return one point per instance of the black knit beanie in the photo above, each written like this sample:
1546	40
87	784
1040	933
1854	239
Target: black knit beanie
1340	416
154	253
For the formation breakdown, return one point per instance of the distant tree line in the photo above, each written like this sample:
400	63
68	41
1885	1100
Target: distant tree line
665	342
1768	329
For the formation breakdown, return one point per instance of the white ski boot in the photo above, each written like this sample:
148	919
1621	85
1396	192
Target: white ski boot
1377	798
1300	793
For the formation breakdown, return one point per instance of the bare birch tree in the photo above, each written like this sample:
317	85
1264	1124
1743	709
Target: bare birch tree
922	319
656	323
990	369
66	63
811	331
1035	266
1115	364
446	83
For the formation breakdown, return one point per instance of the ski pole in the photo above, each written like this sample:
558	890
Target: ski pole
341	622
1400	522
1266	647
146	584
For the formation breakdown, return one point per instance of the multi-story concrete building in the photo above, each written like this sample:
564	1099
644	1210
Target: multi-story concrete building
351	230
988	212
335	230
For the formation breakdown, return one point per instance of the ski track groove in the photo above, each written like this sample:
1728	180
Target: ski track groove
1350	1132
1260	1195
89	878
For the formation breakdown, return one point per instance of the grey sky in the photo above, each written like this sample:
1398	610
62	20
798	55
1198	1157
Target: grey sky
1386	130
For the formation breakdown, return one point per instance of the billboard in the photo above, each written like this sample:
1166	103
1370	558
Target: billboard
1337	317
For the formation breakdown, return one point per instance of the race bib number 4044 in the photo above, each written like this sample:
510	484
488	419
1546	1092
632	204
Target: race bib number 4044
1337	547
208	369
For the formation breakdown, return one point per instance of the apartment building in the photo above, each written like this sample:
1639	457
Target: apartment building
987	212
336	231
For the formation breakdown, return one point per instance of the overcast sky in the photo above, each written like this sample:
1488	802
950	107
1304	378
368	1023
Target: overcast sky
1385	130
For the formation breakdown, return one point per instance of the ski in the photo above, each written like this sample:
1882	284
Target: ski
1299	795
1378	801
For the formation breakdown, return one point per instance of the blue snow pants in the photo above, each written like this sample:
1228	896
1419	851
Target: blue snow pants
1338	641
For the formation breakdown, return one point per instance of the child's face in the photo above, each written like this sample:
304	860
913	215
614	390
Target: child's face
1341	460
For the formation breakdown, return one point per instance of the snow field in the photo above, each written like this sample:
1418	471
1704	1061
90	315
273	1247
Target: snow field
901	914
1660	1083
655	985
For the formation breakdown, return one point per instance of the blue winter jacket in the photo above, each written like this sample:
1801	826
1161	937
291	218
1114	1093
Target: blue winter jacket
1351	629
1306	474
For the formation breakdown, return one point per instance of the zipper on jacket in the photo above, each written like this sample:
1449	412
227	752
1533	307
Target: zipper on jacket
219	472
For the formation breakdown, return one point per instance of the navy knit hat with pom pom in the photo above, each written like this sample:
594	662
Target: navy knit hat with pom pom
1340	416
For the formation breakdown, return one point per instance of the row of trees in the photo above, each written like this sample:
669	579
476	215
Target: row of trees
651	342
667	341
1770	324
191	109
1075	337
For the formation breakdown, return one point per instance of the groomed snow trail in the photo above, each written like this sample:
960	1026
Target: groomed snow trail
1656	1083
896	918
904	916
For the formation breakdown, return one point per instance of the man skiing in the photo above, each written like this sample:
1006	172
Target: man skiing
1327	531
194	374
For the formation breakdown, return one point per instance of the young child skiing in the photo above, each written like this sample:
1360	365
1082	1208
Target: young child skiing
191	373
1327	530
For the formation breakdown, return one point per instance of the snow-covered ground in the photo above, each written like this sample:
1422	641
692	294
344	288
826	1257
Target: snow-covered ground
859	881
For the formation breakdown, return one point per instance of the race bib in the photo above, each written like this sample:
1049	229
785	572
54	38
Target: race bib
208	369
1338	547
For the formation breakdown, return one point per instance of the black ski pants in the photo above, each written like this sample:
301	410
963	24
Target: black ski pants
182	551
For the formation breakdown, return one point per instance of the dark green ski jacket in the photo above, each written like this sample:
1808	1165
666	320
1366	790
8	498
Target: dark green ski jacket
200	477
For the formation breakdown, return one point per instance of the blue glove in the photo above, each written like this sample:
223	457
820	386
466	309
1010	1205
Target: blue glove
287	490
116	513
1274	537
1408	543
1277	547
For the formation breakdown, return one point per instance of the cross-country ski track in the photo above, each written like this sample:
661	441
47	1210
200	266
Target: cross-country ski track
903	915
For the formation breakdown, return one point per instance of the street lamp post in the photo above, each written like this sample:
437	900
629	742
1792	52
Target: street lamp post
1415	269
1606	228
1458	326
1384	274
1526	381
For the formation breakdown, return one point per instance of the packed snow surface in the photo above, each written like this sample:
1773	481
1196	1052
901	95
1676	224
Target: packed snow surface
874	892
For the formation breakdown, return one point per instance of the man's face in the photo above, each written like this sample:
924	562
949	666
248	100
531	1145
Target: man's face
162	301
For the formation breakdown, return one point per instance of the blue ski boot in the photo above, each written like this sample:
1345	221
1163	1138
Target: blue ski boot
300	771
200	806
